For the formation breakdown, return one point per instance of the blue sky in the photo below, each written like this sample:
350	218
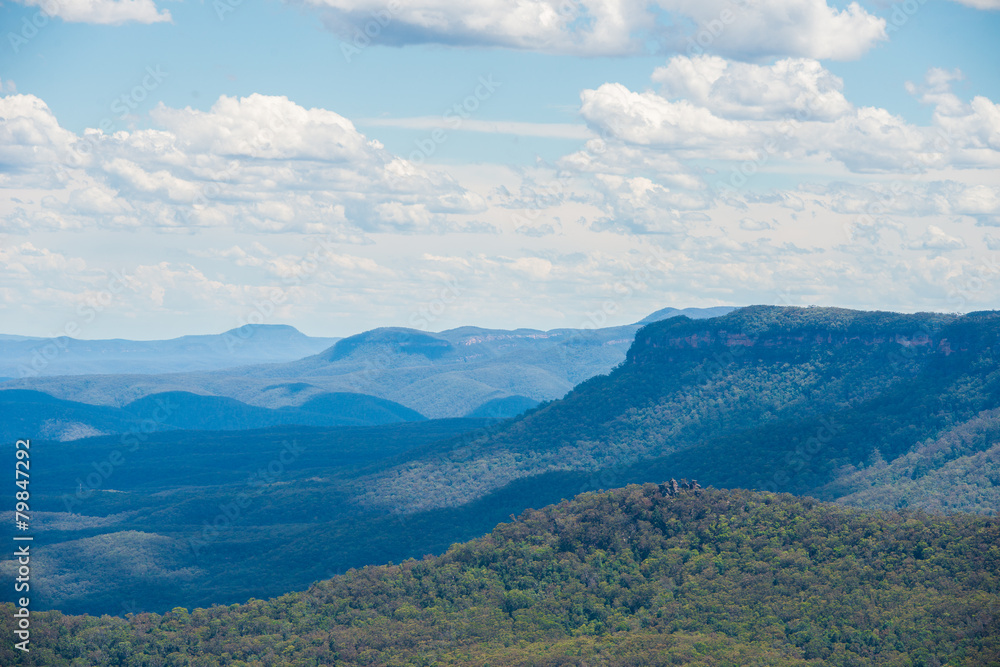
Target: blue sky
256	162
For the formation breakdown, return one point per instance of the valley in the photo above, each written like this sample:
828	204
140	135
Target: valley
876	410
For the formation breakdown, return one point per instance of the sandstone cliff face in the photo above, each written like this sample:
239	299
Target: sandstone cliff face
757	330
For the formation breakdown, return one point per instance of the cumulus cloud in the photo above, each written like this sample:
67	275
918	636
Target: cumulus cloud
30	133
869	140
936	238
256	163
651	120
809	28
102	12
638	205
793	110
793	87
266	127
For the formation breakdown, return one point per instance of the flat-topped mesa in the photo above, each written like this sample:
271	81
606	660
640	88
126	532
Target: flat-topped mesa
766	330
707	338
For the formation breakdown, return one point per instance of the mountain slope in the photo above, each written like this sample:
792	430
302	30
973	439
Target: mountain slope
781	398
628	577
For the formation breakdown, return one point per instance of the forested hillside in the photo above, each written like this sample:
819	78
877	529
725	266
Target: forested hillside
882	409
634	576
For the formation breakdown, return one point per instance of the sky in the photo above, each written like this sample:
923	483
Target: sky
172	167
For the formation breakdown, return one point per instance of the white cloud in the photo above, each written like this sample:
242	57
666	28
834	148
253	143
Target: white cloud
936	238
27	260
30	134
161	184
793	87
753	225
533	267
97	200
916	198
257	163
791	111
265	127
809	28
980	4
639	205
839	199
102	12
648	119
599	156
869	140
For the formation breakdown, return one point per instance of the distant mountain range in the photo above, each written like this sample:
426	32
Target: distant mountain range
448	374
24	356
35	414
